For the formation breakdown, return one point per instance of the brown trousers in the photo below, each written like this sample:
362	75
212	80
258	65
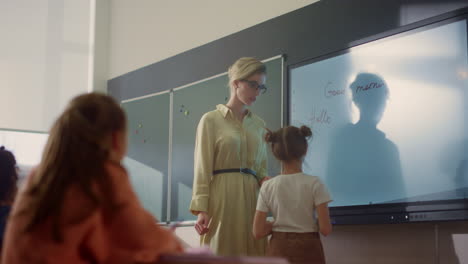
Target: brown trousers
297	248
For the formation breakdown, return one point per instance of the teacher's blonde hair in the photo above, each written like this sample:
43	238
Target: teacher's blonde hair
243	68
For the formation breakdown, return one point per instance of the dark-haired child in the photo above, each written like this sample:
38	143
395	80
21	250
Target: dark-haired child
8	179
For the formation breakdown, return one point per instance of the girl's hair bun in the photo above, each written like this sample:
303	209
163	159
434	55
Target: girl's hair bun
270	137
305	131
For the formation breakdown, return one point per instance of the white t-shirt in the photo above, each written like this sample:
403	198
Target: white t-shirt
292	199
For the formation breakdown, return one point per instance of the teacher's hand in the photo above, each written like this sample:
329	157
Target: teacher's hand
202	223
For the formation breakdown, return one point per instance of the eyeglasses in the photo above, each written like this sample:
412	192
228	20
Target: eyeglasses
254	85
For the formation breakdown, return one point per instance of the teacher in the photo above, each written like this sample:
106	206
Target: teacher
230	164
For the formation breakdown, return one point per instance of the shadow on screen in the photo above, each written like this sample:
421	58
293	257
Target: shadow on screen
364	165
460	169
461	174
454	164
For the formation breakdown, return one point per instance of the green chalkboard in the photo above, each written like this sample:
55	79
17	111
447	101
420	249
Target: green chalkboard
148	145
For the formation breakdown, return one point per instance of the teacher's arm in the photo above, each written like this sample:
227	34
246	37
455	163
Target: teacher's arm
203	172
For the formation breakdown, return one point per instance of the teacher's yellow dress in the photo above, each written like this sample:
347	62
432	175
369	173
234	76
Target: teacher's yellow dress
223	142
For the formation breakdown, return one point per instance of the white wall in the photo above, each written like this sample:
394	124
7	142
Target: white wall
147	31
44	59
101	46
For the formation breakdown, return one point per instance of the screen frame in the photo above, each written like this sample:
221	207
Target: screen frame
425	211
